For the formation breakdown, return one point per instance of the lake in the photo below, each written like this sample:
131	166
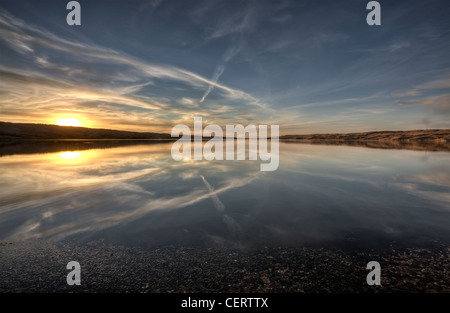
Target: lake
135	194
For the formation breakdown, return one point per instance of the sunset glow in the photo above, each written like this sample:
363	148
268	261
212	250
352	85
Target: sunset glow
310	70
68	122
70	155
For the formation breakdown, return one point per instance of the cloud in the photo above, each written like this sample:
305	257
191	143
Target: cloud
282	18
69	71
441	83
439	104
390	48
128	196
62	90
240	21
153	4
407	93
436	84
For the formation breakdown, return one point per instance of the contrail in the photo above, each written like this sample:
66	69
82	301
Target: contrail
232	225
217	203
219	71
229	54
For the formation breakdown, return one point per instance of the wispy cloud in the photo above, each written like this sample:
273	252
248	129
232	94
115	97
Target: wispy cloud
439	105
438	102
440	83
230	61
91	72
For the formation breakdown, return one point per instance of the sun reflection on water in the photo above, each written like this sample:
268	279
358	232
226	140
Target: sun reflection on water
70	155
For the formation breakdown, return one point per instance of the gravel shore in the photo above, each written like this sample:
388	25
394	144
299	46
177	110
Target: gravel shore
38	266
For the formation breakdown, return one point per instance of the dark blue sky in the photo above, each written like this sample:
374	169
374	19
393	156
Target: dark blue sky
309	66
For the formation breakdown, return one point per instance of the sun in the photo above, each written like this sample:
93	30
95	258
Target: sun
68	122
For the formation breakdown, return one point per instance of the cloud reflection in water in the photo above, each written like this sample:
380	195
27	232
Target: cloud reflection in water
139	195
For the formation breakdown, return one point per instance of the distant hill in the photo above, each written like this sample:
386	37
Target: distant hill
427	135
24	131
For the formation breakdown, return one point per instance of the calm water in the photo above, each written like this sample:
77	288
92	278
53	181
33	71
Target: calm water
137	195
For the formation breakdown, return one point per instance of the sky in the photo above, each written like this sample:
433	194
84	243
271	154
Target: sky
309	66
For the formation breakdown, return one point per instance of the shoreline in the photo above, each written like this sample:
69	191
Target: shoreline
33	146
40	266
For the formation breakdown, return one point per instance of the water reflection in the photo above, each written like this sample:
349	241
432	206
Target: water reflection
137	194
70	155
